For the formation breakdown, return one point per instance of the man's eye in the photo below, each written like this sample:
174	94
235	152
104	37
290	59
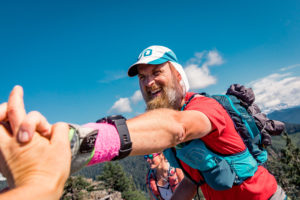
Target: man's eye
141	77
156	73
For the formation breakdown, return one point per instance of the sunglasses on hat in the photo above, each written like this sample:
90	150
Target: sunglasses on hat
151	156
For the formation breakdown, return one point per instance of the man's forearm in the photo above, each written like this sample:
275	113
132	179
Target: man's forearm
155	131
160	129
151	132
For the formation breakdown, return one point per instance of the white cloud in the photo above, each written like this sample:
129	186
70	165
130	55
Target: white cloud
277	91
122	105
136	97
289	67
199	77
214	58
109	76
197	59
197	69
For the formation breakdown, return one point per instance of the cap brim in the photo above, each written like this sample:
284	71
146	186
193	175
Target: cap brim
132	71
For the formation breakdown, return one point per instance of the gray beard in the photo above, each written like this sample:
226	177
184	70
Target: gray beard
170	98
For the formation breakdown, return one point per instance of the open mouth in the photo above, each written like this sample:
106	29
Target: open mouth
155	93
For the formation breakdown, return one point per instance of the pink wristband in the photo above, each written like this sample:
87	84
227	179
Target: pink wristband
107	143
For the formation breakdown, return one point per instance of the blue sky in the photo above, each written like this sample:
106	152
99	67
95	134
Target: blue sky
71	57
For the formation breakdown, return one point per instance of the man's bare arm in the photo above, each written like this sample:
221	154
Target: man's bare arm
159	129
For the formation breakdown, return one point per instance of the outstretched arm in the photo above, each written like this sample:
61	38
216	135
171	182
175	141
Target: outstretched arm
159	129
150	132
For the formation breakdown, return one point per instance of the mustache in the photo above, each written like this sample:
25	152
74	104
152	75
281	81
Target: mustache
153	87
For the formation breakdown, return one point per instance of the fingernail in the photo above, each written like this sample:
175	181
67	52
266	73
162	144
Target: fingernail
23	136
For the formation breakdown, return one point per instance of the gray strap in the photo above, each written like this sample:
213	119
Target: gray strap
82	141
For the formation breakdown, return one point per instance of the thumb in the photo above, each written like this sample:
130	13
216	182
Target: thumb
59	134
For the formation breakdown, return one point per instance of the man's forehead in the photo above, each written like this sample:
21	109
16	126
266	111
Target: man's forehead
148	67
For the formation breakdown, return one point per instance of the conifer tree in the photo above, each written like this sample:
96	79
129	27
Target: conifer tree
74	188
286	168
114	176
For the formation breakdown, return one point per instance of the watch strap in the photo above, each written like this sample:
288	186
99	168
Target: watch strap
120	123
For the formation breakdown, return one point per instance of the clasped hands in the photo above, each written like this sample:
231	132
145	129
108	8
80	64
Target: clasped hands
35	157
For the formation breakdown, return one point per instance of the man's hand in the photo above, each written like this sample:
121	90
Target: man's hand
42	164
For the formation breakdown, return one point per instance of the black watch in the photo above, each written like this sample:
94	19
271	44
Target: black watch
120	123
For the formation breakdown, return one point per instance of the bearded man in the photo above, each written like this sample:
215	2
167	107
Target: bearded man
174	119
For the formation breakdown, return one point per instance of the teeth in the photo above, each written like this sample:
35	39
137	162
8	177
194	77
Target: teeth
155	91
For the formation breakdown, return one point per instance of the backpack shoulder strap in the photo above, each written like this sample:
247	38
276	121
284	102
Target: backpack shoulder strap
188	101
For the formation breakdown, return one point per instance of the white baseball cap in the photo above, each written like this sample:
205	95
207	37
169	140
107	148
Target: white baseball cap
156	55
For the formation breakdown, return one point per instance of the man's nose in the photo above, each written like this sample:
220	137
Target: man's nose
149	81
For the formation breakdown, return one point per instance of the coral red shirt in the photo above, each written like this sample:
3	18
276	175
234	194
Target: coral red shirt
225	140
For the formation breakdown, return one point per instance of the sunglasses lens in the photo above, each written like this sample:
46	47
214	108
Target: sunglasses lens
151	156
148	156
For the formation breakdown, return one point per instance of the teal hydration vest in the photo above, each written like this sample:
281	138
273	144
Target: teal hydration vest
219	171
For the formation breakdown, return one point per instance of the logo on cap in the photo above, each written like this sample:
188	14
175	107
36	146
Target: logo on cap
148	52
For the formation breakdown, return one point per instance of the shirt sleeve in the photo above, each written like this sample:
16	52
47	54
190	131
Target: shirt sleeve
212	109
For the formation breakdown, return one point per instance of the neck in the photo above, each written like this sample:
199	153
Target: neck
182	102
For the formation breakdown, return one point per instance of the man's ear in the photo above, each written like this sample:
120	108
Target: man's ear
175	72
178	76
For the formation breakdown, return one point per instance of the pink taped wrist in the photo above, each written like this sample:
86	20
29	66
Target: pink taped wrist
107	143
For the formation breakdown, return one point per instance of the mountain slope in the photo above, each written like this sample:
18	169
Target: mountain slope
135	166
290	115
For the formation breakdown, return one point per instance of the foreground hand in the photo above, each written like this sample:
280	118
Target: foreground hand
42	164
23	126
